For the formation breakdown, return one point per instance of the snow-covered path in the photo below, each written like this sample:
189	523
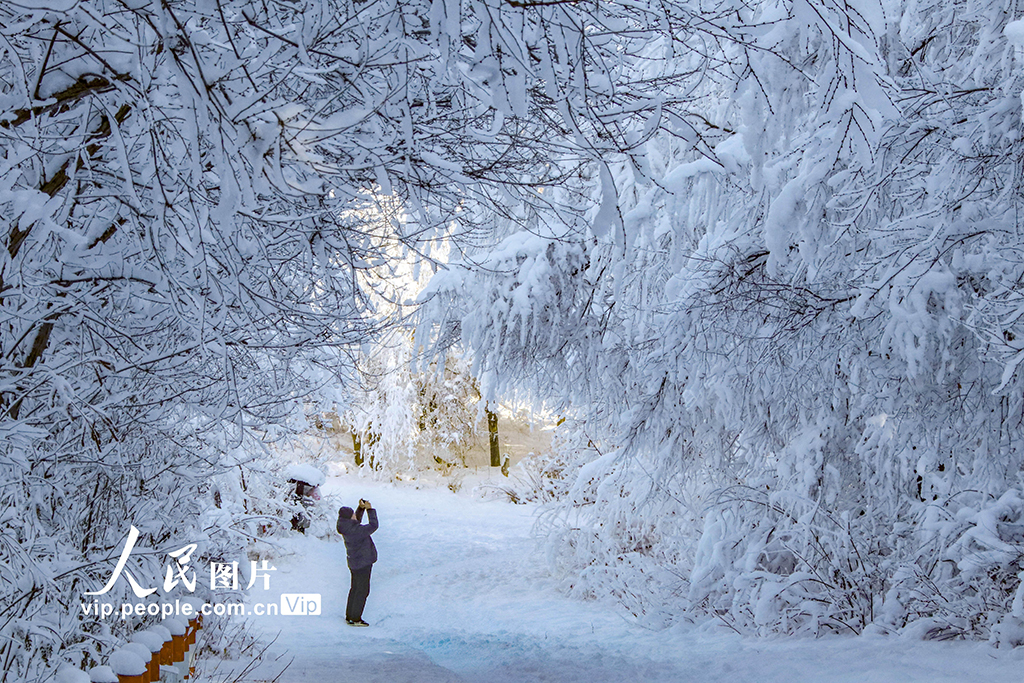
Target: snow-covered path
459	595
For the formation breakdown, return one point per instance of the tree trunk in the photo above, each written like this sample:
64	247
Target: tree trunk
492	432
357	448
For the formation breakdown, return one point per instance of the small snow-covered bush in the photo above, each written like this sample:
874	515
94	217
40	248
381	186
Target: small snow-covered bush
540	478
777	563
970	583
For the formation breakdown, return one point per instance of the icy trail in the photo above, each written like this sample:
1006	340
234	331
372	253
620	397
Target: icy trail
459	595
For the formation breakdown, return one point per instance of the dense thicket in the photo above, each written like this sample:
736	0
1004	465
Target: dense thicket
791	320
196	200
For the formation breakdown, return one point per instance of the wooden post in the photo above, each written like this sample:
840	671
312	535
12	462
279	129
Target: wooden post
153	667
492	433
179	631
177	648
197	625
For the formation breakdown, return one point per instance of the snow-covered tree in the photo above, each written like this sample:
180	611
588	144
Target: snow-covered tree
191	196
449	412
409	417
383	412
790	315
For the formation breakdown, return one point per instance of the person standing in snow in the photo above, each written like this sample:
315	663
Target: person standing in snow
361	556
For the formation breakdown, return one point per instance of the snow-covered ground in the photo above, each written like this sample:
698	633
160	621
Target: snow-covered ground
460	594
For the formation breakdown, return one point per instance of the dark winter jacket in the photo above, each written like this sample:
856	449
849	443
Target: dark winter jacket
358	544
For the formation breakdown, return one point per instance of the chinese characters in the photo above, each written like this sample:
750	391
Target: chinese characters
223	575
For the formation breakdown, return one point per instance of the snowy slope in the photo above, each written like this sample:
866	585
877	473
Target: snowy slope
460	594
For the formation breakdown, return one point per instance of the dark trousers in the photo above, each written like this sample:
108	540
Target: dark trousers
358	592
